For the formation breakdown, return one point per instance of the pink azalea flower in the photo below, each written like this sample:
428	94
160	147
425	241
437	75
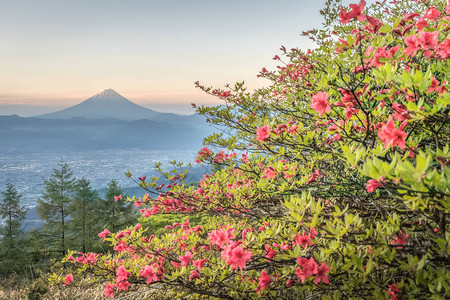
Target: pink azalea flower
421	24
149	272
263	134
221	237
293	129
393	51
413	45
185	260
344	16
428	40
264	280
104	233
199	264
270	252
350	111
303	240
381	53
321	274
121	278
432	13
235	256
444	49
109	290
270	173
194	275
122	273
390	135
68	279
320	103
117	198
309	268
91	258
372	185
356	12
313	177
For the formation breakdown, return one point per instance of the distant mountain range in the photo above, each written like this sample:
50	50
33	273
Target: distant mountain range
104	121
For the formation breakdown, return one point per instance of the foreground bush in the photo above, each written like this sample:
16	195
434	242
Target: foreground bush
333	181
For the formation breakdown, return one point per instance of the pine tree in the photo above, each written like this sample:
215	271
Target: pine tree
53	208
84	212
11	233
116	214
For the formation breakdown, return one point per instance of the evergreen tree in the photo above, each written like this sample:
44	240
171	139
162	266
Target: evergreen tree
11	233
84	211
53	208
116	214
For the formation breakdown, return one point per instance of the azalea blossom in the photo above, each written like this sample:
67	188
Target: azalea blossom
270	252
194	275
428	40
221	237
320	103
68	279
104	233
303	240
263	133
108	292
432	13
264	280
122	278
390	135
321	274
356	12
372	185
149	272
199	264
309	268
313	177
185	260
235	256
421	24
270	173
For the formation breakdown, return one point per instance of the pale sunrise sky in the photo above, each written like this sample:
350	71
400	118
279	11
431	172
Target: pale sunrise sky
56	53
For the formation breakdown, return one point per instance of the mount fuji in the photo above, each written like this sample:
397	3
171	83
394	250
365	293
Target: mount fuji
106	104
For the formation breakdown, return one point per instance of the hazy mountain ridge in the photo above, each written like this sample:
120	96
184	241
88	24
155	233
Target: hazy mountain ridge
106	120
80	134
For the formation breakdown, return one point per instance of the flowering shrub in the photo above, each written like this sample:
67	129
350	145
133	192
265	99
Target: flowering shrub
344	187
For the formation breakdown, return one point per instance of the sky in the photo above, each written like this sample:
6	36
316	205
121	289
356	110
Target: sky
55	54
